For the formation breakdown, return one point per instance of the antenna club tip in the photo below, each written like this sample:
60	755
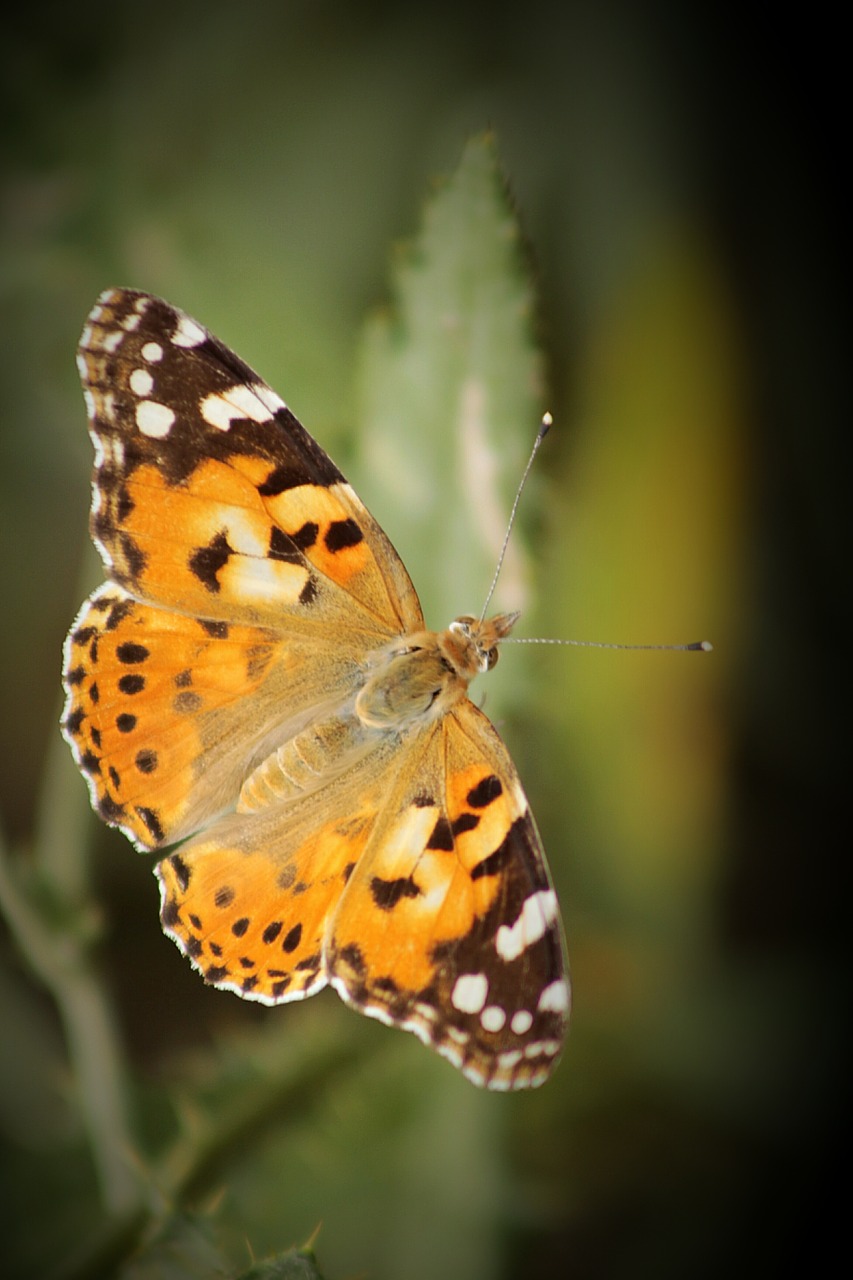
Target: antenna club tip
704	646
546	423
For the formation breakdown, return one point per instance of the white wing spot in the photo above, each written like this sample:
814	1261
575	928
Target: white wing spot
510	1059
188	333
521	1022
222	408
452	1055
131	322
152	352
555	998
493	1018
112	451
141	382
457	1034
469	992
536	916
112	341
542	1049
269	398
153	419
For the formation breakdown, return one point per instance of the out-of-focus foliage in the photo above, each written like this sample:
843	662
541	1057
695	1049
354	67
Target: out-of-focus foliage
662	279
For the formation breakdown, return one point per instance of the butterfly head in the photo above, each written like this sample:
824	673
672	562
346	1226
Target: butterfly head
471	644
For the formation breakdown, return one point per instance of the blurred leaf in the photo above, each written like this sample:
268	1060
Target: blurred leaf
296	1264
451	386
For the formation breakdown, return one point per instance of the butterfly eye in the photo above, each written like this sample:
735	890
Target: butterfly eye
492	657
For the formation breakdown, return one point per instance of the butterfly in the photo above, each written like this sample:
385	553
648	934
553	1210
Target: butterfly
255	683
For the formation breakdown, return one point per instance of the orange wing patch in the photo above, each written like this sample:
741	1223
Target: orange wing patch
254	922
143	685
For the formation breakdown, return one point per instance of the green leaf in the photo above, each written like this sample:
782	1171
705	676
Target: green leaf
295	1264
450	394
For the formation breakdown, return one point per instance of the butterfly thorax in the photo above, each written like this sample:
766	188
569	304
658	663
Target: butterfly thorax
419	677
410	684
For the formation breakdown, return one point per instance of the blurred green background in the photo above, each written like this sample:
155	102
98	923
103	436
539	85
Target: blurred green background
260	166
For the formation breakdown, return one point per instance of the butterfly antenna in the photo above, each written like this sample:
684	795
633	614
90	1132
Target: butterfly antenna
703	646
544	428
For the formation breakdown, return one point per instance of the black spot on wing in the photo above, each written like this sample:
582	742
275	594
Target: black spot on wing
306	536
129	654
181	870
485	792
465	822
441	836
216	630
74	720
134	557
352	956
282	547
110	810
207	562
124	504
342	534
118	610
170	914
387	893
151	818
293	938
131	684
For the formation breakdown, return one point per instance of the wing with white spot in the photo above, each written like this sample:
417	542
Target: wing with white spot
210	498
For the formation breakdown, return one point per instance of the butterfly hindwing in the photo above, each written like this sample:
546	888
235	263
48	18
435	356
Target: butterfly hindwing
455	861
414	882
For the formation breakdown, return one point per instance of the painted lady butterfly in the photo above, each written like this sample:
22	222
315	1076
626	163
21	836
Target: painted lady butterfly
256	675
